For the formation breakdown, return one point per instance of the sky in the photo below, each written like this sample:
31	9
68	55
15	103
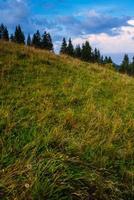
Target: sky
106	24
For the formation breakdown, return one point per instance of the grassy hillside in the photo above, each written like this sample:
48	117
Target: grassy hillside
66	128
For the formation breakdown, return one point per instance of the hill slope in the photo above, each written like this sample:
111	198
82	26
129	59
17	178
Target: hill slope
67	128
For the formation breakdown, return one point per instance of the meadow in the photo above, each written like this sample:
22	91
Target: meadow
66	128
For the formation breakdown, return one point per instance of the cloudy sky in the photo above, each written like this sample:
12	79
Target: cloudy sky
107	24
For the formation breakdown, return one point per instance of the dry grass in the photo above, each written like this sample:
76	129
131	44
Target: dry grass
67	128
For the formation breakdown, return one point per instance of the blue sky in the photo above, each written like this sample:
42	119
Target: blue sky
108	25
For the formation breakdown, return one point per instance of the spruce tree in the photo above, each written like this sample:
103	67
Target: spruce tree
46	42
50	43
130	69
77	51
95	55
19	35
29	42
63	49
133	60
86	54
105	60
99	56
125	64
70	48
5	34
110	60
1	31
102	60
0	34
36	40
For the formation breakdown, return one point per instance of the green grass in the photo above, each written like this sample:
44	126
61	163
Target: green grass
66	127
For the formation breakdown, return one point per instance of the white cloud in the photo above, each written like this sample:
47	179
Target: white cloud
131	22
123	42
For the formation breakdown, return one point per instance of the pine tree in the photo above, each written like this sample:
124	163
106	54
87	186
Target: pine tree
110	60
70	48
105	60
19	35
1	31
46	42
36	40
95	55
50	43
63	49
5	34
29	42
130	69
133	60
125	64
77	51
99	56
86	52
102	60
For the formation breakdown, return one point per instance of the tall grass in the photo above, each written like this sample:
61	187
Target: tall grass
67	128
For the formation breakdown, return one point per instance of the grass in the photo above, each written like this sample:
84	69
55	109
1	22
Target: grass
66	127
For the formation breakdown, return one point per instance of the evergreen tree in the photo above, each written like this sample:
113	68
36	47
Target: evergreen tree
125	64
130	69
102	60
86	53
29	42
99	57
46	42
96	56
19	35
133	60
50	43
70	48
105	60
5	34
1	31
63	49
110	60
77	51
36	40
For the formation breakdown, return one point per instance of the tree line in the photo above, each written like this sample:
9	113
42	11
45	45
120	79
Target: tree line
38	41
84	52
44	41
127	66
